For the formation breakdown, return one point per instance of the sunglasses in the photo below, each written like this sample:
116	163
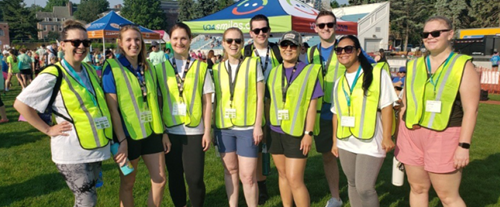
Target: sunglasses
286	44
230	41
263	29
329	25
348	49
436	33
76	43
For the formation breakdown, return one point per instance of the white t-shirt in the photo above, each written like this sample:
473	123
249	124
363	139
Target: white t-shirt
65	149
260	78
372	147
262	54
208	88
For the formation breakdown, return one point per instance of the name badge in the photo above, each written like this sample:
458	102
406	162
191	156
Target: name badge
347	121
179	109
230	113
146	116
433	106
101	122
283	114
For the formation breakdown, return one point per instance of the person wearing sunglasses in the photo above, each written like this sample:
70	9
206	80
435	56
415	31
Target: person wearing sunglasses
362	122
80	139
294	89
270	57
441	98
130	84
324	54
186	88
238	113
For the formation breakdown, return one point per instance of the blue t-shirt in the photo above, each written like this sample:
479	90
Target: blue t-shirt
397	79
495	59
326	113
109	86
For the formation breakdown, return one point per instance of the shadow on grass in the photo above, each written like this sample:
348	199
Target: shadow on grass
35	187
29	135
481	182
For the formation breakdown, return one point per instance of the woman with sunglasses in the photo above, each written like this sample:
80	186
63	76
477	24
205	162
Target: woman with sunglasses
131	87
80	140
186	89
294	89
239	107
362	120
441	101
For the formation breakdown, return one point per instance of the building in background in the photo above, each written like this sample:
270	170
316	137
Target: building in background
4	34
52	21
171	10
373	23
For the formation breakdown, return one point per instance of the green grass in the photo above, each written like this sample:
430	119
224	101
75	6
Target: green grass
494	97
30	178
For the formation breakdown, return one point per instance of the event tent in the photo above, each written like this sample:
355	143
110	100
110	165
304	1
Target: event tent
108	27
284	15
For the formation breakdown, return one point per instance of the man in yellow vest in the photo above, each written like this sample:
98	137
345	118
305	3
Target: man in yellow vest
270	57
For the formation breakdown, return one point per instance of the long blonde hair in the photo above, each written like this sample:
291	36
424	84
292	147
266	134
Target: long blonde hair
142	55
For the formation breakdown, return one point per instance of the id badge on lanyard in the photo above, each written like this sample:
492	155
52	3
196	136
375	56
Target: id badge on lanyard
283	114
179	109
230	113
101	122
146	116
347	121
433	106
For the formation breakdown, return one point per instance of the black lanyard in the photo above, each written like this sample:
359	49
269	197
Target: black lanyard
325	67
289	82
232	83
264	67
139	74
180	80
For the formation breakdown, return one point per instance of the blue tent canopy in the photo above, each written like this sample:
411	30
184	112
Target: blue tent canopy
108	27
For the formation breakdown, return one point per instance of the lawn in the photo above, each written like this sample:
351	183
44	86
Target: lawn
30	178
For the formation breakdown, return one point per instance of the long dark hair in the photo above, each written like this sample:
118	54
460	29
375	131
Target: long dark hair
363	61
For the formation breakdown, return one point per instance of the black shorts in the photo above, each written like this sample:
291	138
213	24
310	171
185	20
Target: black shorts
286	145
324	141
149	145
26	72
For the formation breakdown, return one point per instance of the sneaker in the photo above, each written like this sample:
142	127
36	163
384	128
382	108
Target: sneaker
334	203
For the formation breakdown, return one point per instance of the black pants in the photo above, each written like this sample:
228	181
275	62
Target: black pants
186	157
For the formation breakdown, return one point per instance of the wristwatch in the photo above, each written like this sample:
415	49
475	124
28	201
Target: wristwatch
464	145
310	133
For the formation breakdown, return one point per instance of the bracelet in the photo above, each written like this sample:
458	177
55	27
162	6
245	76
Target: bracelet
122	140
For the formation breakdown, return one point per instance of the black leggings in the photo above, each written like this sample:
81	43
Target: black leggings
1	104
186	156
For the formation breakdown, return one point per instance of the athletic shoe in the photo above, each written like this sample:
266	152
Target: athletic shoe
263	196
333	202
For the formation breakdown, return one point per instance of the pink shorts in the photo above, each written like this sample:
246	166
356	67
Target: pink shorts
424	147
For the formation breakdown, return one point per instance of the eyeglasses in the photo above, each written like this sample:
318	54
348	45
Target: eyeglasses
348	49
436	33
76	43
263	29
230	41
286	44
329	25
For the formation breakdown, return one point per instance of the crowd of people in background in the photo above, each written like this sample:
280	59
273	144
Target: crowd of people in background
264	97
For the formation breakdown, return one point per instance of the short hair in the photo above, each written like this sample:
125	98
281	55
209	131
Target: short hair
442	19
70	25
326	13
259	17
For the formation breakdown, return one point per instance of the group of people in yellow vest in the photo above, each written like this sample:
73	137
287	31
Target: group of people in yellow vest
263	95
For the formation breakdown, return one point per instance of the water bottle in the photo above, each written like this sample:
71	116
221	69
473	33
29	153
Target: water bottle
266	160
127	168
398	174
100	182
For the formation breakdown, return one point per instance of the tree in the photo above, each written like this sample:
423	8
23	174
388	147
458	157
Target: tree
203	8
51	3
185	10
408	17
456	10
22	22
334	4
53	35
486	13
222	4
88	10
147	13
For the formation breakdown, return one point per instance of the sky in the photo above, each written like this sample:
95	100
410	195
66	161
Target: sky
111	2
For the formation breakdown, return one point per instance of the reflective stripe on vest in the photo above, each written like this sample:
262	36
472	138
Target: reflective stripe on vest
192	95
81	108
298	98
334	71
130	100
363	108
420	90
245	94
